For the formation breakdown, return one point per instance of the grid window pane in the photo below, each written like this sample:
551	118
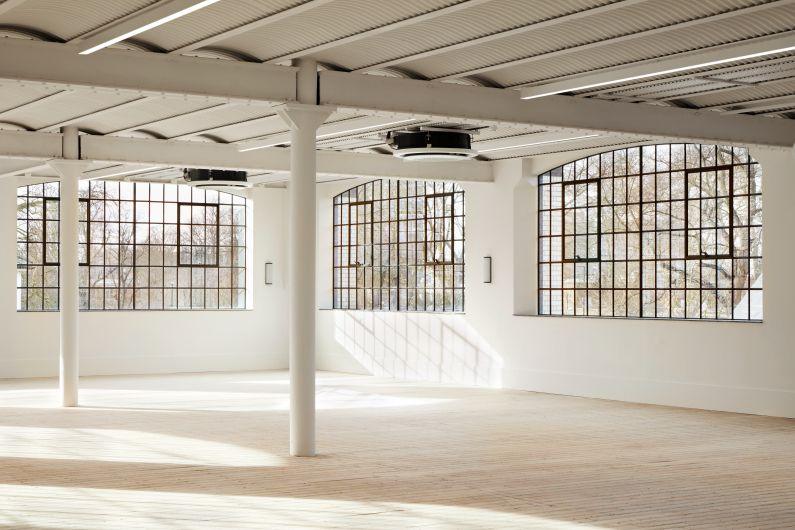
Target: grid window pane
141	246
399	246
665	231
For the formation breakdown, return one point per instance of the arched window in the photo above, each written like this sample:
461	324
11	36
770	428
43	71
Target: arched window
658	231
399	246
141	246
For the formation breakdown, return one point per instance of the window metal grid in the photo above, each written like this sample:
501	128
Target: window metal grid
399	246
38	214
130	244
198	225
679	235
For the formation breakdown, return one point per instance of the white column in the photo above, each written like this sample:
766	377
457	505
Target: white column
69	169
303	118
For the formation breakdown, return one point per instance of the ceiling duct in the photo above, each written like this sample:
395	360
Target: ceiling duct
429	143
216	178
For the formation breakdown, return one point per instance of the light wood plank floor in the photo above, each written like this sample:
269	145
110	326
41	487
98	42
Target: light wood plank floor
209	451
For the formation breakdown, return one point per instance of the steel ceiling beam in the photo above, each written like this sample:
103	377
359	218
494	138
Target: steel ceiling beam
493	105
145	73
144	152
330	130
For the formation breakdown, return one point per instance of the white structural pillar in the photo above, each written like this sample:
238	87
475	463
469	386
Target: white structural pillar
69	168
303	118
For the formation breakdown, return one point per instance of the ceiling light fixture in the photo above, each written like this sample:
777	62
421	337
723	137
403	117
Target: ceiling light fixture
147	27
537	143
432	143
527	93
328	135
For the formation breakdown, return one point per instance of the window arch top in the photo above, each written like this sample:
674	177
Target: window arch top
399	246
654	231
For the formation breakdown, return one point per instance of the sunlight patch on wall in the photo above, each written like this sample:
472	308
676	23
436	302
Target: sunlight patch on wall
418	347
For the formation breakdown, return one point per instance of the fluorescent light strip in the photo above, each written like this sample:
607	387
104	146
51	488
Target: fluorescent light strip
263	146
665	72
149	26
328	135
537	143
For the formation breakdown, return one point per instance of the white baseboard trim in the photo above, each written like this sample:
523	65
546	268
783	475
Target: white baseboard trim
761	401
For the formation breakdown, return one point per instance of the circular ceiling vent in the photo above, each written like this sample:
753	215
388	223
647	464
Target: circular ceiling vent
432	144
216	178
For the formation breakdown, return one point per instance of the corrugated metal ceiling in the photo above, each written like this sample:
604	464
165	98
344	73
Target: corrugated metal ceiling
600	34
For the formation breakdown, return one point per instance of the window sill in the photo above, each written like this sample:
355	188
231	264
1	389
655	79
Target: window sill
56	311
644	319
388	311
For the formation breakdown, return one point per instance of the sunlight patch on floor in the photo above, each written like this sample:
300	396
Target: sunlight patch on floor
121	445
55	507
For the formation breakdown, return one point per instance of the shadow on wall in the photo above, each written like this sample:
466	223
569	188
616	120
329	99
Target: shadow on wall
418	347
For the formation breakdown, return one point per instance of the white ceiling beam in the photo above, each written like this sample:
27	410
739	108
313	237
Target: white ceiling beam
466	4
126	27
143	153
533	26
145	73
245	28
30	145
615	40
494	106
331	129
8	5
667	65
21	169
226	156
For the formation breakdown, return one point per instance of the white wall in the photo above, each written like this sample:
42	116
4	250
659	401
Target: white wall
155	341
742	367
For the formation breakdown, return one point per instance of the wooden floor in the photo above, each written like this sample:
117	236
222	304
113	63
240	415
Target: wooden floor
209	451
